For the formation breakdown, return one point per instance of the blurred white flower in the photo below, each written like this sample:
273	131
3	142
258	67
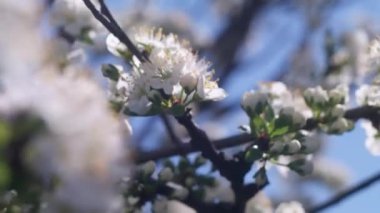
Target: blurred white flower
83	144
114	45
163	205
73	15
252	99
340	94
372	141
290	207
374	54
259	204
340	125
221	192
297	118
293	146
338	111
368	95
316	95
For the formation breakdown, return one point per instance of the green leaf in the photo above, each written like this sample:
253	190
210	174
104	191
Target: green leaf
279	131
281	126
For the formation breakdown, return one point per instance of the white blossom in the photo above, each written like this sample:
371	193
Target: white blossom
374	54
73	15
316	95
293	146
251	99
372	141
173	73
338	111
114	45
340	125
298	119
258	204
368	95
339	94
162	205
291	207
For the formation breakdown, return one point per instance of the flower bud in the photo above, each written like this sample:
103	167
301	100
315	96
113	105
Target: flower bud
337	96
251	100
315	95
293	146
189	81
340	125
148	168
337	111
166	174
293	207
297	118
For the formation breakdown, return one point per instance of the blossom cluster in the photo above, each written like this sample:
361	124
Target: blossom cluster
369	95
278	126
328	108
170	80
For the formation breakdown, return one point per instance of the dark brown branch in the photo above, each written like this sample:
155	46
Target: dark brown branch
173	150
233	170
106	18
352	191
365	112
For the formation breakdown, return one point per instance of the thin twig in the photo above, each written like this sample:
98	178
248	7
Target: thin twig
234	140
105	17
340	197
365	112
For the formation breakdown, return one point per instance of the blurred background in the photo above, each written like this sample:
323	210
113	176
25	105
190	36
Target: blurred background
302	43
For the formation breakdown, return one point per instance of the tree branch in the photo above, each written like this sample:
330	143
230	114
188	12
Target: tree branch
365	112
233	169
105	17
340	197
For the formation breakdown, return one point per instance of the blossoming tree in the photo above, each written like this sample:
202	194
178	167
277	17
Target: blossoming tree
68	145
